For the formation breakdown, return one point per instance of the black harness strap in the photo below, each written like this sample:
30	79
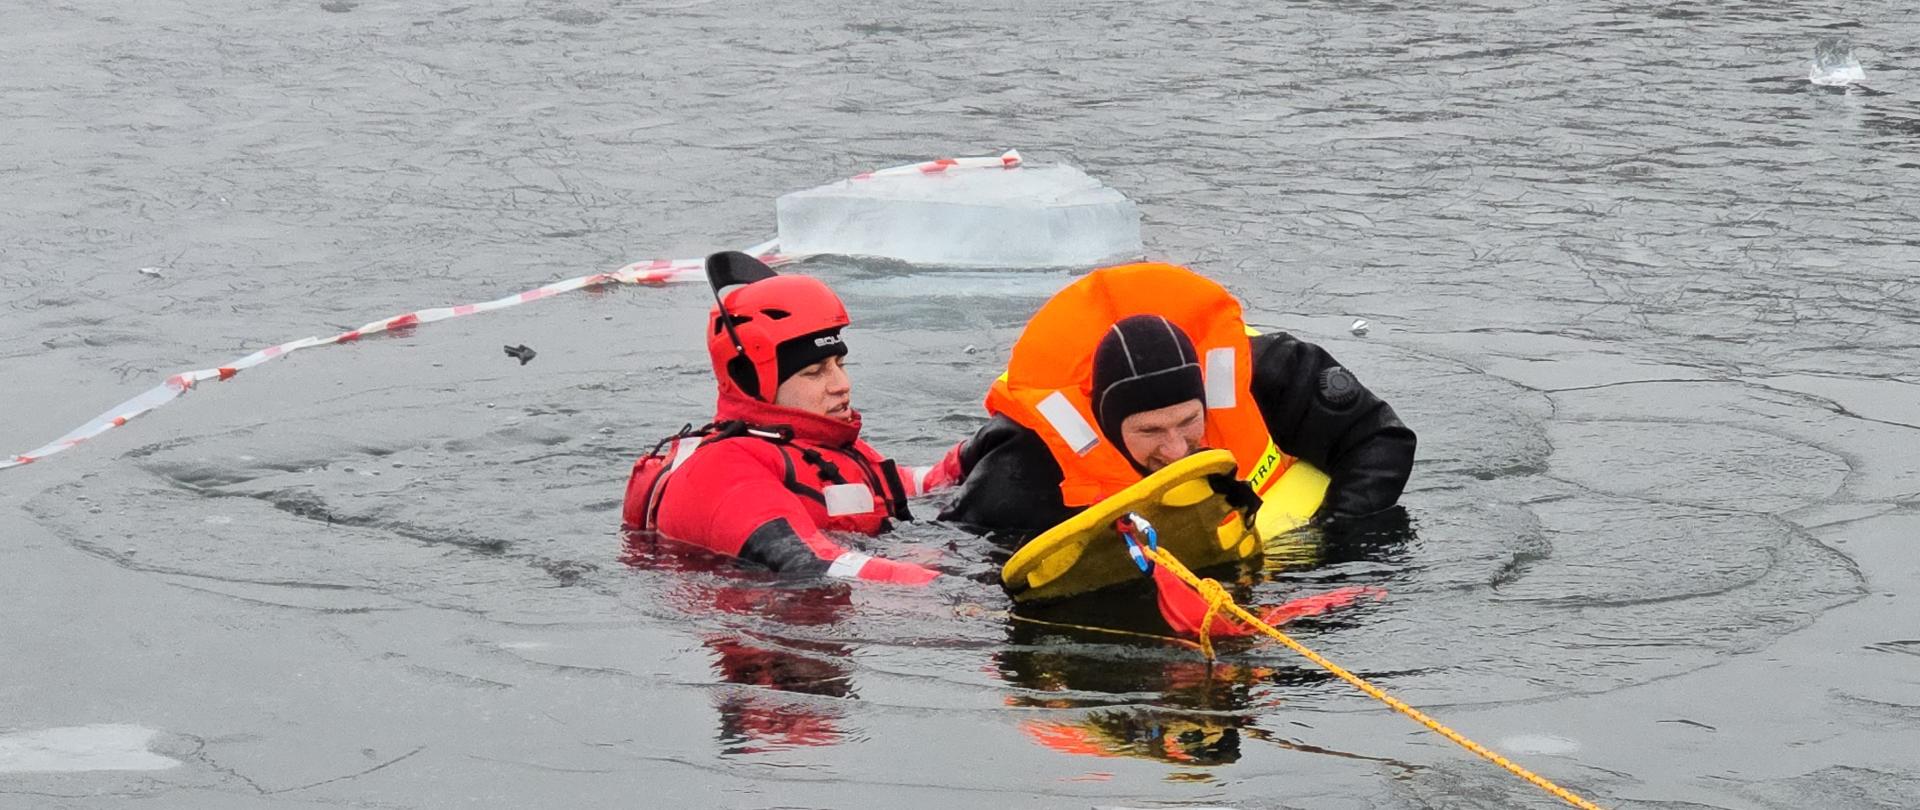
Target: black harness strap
685	431
828	472
1239	495
897	494
886	481
793	482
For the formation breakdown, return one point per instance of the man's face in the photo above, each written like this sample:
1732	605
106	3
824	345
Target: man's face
1163	436
822	388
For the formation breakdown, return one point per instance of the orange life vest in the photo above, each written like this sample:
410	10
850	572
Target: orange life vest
1049	380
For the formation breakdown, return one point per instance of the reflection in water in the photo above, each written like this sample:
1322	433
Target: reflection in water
752	721
1071	661
1186	739
761	718
1086	654
648	550
1379	538
1124	684
1198	708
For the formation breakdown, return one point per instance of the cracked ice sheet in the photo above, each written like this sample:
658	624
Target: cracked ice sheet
1885	400
1564	362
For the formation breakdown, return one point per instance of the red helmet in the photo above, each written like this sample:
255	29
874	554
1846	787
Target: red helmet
746	327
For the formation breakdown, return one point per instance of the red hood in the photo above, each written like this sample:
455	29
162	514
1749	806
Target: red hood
811	427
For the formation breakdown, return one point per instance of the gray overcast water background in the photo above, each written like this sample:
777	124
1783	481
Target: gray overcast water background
1646	294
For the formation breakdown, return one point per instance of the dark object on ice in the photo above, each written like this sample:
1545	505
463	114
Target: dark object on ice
521	352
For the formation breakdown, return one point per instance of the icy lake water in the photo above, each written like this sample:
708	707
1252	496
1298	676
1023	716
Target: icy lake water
1644	290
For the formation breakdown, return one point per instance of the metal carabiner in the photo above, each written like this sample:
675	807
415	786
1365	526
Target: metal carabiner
1130	527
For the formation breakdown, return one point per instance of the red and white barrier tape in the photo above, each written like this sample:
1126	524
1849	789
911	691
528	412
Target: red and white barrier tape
657	272
1006	161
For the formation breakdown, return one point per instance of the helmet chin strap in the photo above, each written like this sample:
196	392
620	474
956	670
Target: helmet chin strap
739	349
726	320
726	269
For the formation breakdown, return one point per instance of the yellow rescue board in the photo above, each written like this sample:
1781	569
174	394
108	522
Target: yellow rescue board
1085	554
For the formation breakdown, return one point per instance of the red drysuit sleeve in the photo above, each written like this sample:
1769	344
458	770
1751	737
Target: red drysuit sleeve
940	475
732	497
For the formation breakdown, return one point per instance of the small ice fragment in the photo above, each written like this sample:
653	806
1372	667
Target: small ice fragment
1052	216
106	747
1539	744
1360	327
1834	65
150	271
523	645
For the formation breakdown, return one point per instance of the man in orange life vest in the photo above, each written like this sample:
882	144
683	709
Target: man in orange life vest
1159	359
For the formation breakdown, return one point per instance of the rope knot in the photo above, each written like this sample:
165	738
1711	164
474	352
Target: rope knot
1216	596
1215	593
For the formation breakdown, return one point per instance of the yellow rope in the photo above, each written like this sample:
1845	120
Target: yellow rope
1217	598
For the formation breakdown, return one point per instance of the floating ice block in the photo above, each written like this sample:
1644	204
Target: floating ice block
1834	64
1051	216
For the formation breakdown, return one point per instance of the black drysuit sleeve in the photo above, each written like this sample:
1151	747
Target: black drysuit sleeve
1318	412
1009	483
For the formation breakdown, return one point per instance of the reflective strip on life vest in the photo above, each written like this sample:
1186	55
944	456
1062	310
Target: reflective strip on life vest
1222	392
847	499
1068	423
684	451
